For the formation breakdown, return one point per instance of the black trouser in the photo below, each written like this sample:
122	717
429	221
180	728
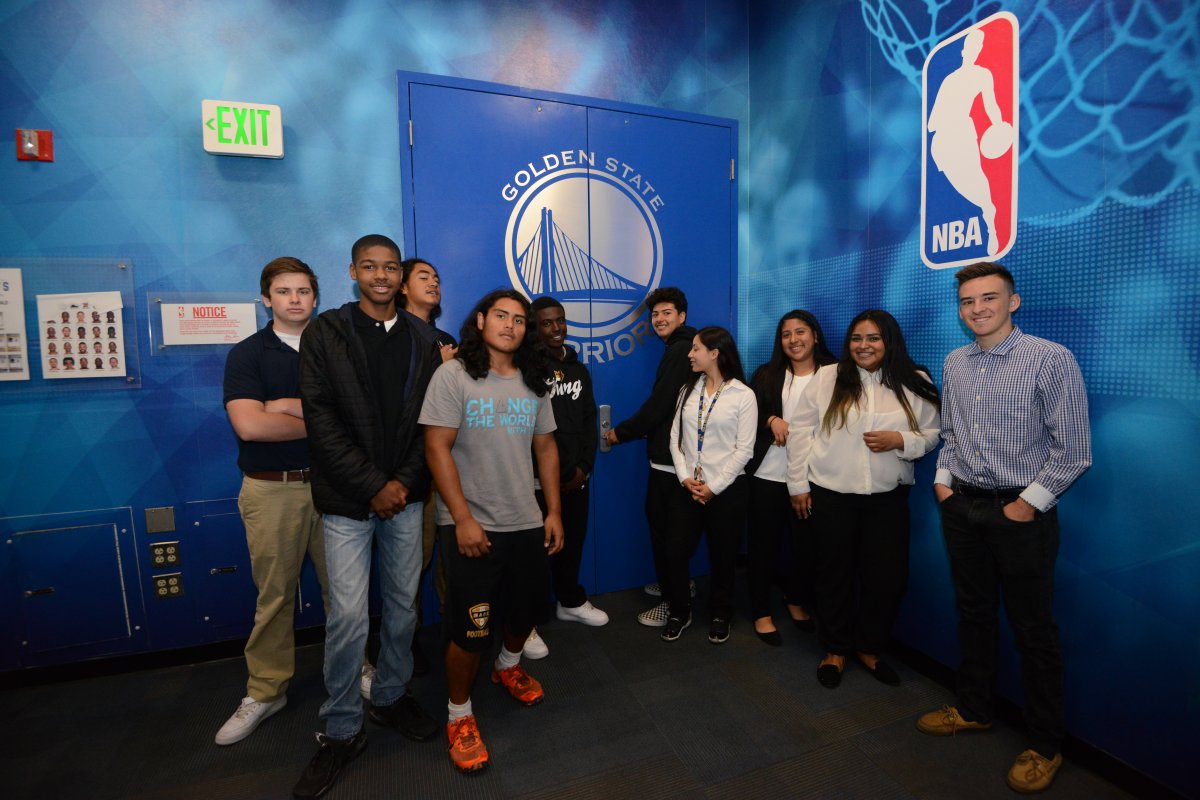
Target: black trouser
660	487
990	554
564	565
724	518
772	523
862	543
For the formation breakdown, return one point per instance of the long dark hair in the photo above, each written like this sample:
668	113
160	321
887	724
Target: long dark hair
898	372
729	364
407	267
530	357
768	379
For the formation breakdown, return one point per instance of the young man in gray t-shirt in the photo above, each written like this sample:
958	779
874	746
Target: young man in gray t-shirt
483	412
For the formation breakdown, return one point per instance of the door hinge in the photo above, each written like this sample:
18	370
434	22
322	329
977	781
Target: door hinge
410	133
732	170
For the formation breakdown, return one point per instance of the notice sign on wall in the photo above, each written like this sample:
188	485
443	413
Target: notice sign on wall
232	128
207	323
14	355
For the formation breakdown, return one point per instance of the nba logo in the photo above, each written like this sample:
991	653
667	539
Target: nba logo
969	145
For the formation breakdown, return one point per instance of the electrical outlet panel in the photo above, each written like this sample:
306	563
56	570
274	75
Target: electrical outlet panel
169	586
164	554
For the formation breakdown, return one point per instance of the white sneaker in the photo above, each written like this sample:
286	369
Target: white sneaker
654	590
587	613
535	646
249	715
655	617
365	681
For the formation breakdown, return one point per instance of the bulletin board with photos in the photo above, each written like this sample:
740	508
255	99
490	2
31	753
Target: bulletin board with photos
68	324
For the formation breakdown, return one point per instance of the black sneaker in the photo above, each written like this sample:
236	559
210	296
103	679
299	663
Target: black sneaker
675	628
406	716
718	630
326	765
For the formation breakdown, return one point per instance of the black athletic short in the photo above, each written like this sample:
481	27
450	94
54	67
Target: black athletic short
511	582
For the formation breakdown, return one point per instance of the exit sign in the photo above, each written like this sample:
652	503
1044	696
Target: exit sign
232	128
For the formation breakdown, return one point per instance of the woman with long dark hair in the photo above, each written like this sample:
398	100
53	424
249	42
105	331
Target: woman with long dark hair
798	351
860	426
712	438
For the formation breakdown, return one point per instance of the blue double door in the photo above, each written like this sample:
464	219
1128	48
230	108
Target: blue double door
596	204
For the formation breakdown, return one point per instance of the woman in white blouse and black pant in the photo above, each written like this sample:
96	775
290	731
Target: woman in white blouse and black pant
860	426
712	438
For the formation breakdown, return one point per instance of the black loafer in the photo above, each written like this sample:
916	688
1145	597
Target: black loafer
884	673
770	637
829	676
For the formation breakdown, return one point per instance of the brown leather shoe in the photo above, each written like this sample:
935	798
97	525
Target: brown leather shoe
946	721
1033	773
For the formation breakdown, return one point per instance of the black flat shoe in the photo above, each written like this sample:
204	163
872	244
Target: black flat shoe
770	637
884	673
829	676
806	625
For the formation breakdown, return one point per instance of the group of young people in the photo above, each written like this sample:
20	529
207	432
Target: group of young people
818	452
346	423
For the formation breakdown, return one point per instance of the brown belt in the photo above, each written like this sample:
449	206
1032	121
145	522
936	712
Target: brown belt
287	476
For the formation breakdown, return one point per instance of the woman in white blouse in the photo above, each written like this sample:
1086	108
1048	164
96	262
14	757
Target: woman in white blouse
712	438
858	429
799	350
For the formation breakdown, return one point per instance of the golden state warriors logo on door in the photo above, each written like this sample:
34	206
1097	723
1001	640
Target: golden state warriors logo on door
583	229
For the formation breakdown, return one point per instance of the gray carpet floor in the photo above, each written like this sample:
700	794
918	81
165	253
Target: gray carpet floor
625	716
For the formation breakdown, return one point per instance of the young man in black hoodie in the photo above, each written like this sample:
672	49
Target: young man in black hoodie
363	374
575	414
668	315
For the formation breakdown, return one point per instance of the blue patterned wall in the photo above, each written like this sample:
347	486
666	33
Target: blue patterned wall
830	162
1105	258
120	84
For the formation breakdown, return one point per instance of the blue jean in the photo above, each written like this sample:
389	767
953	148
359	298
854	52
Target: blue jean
348	562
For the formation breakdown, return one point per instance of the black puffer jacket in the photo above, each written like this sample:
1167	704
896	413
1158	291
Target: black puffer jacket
653	419
340	413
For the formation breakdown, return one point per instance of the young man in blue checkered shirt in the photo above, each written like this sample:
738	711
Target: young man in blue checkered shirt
1016	436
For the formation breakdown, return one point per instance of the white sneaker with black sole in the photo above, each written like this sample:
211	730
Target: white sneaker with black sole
655	617
249	715
587	613
535	646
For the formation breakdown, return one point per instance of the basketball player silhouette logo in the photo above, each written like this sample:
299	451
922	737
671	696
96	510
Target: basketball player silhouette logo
969	166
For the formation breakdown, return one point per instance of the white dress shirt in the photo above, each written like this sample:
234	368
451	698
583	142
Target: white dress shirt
839	459
774	465
728	439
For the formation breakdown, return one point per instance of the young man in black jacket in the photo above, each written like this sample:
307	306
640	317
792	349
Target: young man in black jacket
363	375
668	315
575	414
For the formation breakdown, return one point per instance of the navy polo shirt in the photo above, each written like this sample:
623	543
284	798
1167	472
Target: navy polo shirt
263	368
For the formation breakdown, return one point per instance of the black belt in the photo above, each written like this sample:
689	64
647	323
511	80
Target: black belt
1007	495
286	476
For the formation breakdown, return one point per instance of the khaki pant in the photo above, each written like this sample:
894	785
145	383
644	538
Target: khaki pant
281	526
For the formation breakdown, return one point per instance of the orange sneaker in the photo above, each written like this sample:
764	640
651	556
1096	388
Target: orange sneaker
467	751
520	684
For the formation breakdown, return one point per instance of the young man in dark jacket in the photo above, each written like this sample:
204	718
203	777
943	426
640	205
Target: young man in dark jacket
363	374
668	315
575	414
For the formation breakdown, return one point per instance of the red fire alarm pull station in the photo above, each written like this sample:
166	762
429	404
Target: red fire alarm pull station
33	145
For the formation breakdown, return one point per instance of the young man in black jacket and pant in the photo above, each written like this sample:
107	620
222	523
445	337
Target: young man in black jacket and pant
363	374
668	313
575	414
